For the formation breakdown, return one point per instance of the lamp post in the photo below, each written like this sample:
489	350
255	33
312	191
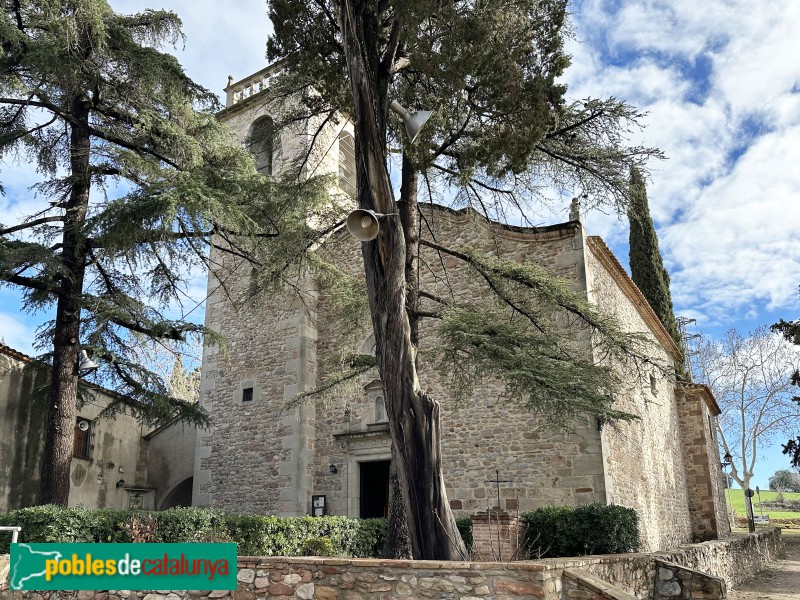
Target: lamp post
726	462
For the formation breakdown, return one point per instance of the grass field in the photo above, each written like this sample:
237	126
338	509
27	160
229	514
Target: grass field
736	497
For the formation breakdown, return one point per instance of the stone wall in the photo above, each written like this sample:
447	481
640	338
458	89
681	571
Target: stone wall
482	432
611	577
644	463
286	342
255	457
733	560
707	506
675	581
579	585
283	344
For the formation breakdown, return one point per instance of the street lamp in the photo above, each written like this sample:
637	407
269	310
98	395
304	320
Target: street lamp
728	461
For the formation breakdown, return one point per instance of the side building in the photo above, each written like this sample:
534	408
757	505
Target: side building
115	462
266	455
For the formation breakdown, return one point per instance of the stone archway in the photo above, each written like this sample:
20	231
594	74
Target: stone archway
180	495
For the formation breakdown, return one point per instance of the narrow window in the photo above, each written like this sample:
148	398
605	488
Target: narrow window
653	388
81	446
260	144
347	163
380	410
247	394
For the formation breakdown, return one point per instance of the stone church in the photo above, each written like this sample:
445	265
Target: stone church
332	456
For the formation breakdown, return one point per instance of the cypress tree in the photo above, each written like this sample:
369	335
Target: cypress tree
647	266
502	133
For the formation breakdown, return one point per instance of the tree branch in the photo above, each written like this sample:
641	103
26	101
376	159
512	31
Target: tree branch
29	224
140	150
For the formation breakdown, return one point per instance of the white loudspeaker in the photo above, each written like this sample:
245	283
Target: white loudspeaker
85	364
83	425
413	121
363	224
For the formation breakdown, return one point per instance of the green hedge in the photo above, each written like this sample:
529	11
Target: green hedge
256	535
579	530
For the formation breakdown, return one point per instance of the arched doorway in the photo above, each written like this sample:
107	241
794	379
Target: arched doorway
180	495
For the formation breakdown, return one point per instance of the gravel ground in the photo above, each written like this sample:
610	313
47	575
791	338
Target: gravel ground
780	582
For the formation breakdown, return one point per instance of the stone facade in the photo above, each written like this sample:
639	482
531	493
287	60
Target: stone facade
644	462
697	410
265	456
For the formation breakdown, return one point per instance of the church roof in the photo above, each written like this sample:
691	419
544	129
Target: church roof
9	351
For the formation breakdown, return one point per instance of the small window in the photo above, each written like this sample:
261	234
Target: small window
653	388
380	410
247	394
82	447
347	164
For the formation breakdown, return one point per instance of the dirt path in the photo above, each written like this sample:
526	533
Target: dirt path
779	582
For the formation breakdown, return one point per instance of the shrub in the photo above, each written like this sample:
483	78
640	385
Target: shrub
579	530
318	546
255	535
58	524
189	524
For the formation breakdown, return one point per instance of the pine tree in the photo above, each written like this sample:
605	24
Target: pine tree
140	178
647	266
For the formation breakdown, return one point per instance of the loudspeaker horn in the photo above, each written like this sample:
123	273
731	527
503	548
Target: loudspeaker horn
412	120
83	425
86	365
363	224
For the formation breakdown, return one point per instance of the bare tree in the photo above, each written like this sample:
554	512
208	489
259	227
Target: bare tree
750	378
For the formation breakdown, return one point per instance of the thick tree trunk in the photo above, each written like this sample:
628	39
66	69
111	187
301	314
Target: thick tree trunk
409	218
398	544
55	472
413	415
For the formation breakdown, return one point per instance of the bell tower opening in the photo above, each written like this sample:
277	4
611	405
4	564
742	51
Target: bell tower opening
374	489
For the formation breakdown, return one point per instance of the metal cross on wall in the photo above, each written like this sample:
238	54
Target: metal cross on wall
498	481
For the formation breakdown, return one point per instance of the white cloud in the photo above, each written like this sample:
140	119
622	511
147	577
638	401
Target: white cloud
223	37
720	83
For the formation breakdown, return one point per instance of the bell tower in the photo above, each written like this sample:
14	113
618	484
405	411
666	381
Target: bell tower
271	353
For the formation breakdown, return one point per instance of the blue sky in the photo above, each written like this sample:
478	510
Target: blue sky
720	81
